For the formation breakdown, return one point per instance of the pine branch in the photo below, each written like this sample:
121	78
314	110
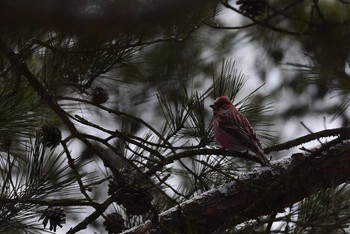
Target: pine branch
120	113
53	202
266	21
343	132
23	69
261	192
77	174
46	95
92	217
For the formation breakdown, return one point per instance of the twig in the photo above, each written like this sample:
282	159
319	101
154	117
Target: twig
124	136
264	23
93	216
120	113
77	174
215	169
271	221
344	132
309	130
53	202
191	153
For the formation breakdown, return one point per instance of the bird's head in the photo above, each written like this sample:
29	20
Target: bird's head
222	103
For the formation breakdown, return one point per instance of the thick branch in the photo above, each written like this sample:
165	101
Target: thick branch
261	192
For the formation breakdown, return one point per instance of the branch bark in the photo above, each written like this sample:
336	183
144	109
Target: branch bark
261	192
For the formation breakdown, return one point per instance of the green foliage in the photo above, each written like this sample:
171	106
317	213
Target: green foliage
34	181
148	126
229	81
325	212
19	115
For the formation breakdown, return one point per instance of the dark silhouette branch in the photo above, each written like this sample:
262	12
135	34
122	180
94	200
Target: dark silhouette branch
93	216
53	202
261	192
266	21
344	132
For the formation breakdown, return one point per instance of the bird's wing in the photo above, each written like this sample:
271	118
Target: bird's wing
237	125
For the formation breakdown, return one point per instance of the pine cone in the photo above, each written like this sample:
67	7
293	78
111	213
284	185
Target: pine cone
252	8
114	186
114	223
55	215
50	135
99	95
136	201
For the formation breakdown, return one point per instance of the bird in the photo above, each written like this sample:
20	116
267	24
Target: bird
232	129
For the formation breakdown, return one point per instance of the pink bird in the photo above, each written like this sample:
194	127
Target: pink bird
232	129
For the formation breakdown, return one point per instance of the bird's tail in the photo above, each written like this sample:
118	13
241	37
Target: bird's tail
263	160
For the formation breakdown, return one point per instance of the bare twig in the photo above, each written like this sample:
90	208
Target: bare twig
344	132
77	174
120	113
53	202
265	22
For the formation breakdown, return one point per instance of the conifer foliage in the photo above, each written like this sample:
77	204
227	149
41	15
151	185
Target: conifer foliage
105	118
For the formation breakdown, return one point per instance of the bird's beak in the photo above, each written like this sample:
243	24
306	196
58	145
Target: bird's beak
214	107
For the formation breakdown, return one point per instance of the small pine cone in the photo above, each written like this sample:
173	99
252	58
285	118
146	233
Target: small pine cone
114	223
50	135
55	215
99	95
136	201
114	186
252	8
